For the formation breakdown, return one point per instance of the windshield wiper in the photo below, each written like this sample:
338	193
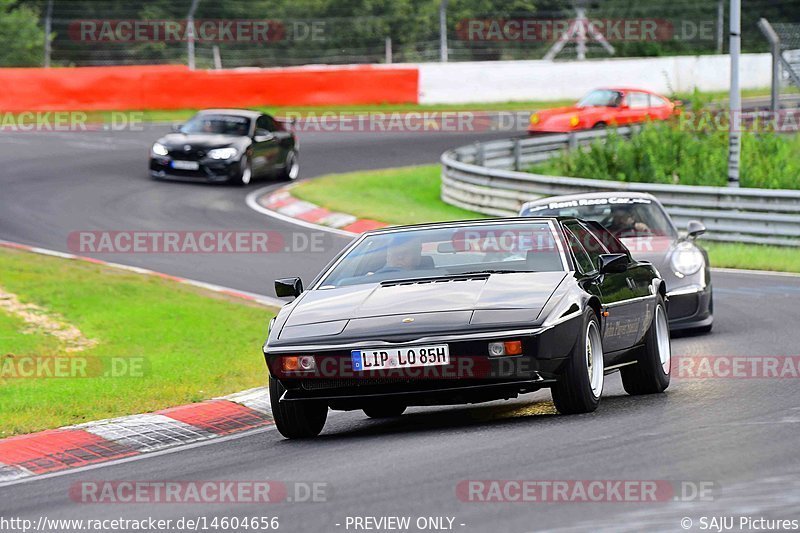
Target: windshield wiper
489	272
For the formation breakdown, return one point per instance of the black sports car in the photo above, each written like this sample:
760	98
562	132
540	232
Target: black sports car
464	312
226	145
641	222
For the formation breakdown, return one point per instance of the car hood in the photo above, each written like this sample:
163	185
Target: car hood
385	310
198	140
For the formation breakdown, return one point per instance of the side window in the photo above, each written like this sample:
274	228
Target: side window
582	258
265	123
612	244
657	101
591	245
638	100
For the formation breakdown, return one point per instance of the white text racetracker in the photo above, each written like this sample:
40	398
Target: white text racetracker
407	357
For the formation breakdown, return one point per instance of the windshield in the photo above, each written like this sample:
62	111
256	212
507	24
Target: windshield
602	97
218	124
624	217
448	252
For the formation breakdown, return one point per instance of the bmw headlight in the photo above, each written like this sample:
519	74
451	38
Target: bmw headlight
686	259
222	153
160	149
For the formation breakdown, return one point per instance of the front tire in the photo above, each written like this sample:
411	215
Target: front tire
292	167
579	388
651	373
296	420
245	174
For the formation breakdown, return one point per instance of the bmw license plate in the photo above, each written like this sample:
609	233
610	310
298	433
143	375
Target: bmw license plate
185	165
386	358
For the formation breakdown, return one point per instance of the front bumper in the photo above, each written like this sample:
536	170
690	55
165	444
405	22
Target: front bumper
471	376
690	308
211	171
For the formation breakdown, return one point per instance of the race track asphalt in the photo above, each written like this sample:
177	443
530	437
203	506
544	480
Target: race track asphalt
740	435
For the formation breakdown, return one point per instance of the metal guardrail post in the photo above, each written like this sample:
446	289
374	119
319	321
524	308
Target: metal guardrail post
517	155
480	154
572	141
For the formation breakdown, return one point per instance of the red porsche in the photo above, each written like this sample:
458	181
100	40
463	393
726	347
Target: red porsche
604	107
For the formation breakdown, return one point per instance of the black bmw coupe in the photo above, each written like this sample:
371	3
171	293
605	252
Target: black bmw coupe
226	145
464	312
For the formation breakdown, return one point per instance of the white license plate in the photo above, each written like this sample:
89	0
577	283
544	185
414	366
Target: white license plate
185	165
414	356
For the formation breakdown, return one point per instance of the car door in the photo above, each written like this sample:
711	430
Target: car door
660	109
640	278
636	108
623	321
266	149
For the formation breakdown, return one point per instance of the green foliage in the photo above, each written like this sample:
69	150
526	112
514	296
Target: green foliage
21	37
684	152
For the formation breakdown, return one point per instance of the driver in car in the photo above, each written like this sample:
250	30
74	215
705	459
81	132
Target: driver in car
402	255
623	222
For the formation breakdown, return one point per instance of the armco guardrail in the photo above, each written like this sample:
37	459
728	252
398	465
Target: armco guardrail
486	178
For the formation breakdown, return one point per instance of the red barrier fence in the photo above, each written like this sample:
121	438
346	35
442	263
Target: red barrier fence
177	87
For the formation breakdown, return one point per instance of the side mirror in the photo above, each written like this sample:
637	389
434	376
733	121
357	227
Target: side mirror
176	127
613	263
288	287
695	228
263	136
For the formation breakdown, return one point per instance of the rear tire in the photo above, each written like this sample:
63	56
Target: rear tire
296	420
651	374
384	410
579	388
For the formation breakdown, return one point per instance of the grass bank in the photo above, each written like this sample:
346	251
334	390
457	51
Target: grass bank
410	195
685	151
171	344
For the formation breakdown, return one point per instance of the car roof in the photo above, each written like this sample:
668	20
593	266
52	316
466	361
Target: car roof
627	90
457	223
249	113
589	196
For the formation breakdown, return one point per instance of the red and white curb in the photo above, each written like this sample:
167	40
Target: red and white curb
73	447
282	205
93	443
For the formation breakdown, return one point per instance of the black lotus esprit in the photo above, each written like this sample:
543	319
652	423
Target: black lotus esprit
226	145
641	222
465	312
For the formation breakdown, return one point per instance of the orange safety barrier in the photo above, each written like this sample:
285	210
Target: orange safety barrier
177	87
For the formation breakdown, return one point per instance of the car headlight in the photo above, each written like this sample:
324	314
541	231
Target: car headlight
535	119
222	153
686	259
574	120
160	149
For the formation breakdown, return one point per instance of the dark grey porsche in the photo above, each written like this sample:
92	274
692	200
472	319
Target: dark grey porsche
641	222
465	312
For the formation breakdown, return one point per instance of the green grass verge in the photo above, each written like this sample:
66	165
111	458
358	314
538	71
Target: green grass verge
195	344
410	195
755	257
397	196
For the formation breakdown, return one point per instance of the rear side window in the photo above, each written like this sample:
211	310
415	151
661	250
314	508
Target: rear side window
638	100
